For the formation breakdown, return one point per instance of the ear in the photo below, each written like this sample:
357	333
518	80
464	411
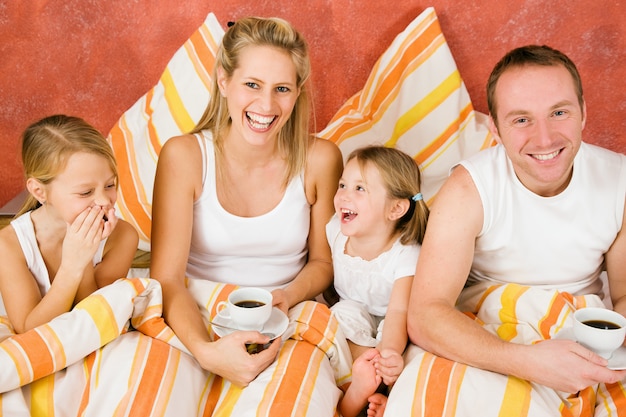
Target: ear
584	121
36	189
399	208
494	129
221	81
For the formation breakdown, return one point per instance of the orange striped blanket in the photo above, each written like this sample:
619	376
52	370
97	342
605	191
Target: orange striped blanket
114	355
434	386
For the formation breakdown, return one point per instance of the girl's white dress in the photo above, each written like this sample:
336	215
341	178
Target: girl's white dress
364	287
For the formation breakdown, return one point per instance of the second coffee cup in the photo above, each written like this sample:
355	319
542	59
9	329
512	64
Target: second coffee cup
248	308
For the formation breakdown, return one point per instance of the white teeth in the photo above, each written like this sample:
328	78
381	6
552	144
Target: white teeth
346	211
545	157
258	121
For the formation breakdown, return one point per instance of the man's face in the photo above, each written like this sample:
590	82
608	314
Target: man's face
540	123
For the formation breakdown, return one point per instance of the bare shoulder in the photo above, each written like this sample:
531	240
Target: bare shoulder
323	157
184	145
10	245
458	203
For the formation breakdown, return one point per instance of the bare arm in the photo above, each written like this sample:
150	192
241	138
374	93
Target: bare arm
324	169
445	260
395	338
118	255
616	270
177	184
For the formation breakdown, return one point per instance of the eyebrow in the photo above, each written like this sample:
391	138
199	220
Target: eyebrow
519	112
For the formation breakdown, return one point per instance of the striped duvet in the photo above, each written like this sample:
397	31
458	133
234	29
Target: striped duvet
113	355
433	386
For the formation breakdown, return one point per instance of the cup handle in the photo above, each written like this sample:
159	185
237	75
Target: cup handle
222	309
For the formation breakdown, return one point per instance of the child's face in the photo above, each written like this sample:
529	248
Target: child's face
86	181
361	200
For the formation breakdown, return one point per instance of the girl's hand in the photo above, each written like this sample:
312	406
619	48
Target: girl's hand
389	365
83	237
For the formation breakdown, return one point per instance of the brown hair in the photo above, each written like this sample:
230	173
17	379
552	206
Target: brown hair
48	144
402	178
531	55
277	33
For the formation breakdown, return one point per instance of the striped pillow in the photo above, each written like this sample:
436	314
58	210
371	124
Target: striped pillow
415	100
170	108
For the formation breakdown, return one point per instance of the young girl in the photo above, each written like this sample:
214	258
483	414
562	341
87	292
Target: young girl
375	235
66	241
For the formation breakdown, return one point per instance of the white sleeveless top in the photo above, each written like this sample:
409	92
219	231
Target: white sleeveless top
264	251
25	232
552	242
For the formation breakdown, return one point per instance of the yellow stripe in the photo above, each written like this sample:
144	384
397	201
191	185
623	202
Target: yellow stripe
102	315
176	106
422	108
42	397
516	400
508	316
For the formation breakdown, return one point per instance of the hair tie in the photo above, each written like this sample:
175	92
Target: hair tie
417	197
230	24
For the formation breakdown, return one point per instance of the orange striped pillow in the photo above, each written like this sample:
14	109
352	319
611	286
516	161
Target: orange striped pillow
415	100
170	108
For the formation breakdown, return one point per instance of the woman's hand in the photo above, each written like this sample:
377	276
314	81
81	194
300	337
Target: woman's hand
241	367
280	301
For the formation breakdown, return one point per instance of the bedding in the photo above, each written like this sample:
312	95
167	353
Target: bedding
114	355
518	314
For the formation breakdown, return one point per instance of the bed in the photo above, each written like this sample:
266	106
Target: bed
113	354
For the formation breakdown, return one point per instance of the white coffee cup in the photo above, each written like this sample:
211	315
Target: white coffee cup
599	329
248	308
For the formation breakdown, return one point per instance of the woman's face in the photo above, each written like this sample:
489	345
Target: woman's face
261	93
86	181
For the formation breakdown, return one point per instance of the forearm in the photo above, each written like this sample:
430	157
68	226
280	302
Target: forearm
394	332
182	314
58	300
448	333
312	280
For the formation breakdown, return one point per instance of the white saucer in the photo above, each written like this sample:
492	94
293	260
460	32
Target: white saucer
617	361
275	326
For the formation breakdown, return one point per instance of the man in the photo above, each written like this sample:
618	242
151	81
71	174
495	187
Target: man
517	239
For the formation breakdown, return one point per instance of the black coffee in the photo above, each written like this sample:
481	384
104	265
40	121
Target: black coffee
249	304
601	324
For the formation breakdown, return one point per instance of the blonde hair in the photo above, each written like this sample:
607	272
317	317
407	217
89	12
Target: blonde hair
48	144
402	178
278	33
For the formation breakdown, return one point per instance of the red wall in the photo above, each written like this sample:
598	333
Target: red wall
96	58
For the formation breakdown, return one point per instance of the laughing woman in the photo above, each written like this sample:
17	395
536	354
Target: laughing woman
244	198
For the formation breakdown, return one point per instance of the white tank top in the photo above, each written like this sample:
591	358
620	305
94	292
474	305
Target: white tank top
552	242
25	232
265	251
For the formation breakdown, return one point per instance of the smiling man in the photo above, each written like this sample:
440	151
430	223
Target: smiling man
517	239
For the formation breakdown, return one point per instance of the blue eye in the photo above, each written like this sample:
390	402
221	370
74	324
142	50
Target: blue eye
283	89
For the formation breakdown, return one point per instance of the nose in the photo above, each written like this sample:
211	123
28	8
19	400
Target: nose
103	199
266	96
543	132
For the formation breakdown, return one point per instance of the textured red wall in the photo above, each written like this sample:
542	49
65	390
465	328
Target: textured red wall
95	58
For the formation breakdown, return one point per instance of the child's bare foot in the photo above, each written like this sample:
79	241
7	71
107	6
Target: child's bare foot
364	384
377	404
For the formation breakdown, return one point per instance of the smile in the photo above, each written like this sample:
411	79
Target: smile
546	157
348	215
260	122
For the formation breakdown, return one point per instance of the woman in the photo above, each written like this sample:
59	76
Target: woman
245	197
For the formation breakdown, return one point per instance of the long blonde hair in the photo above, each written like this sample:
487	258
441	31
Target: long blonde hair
402	179
48	144
278	33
